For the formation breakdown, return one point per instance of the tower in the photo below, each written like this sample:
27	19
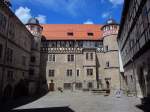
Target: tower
34	73
111	55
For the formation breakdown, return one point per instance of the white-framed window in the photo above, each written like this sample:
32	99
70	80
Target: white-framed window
69	72
70	57
52	57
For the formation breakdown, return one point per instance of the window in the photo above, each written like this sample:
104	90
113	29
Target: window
91	56
78	73
107	64
31	72
3	22
90	34
69	72
33	59
51	73
87	56
52	57
106	48
78	85
80	44
70	44
23	60
67	85
90	85
70	33
1	50
89	72
9	56
131	78
10	76
71	57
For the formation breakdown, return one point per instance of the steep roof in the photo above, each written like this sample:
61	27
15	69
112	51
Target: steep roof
80	31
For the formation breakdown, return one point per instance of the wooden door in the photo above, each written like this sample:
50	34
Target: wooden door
51	86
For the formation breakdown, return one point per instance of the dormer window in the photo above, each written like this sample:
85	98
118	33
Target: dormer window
90	34
70	33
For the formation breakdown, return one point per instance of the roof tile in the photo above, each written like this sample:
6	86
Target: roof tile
80	31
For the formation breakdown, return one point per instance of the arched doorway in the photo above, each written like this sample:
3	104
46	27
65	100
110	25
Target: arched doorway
7	92
20	89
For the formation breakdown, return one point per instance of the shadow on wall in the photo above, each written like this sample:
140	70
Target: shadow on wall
53	109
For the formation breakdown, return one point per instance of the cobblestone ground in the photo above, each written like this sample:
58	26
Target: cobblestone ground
82	102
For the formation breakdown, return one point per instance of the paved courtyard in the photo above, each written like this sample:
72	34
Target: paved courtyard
81	102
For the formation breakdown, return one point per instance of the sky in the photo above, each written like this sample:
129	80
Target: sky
68	11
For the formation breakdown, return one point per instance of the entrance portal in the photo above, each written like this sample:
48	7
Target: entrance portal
51	86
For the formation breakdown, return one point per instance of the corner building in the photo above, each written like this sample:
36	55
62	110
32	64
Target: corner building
81	56
19	55
134	44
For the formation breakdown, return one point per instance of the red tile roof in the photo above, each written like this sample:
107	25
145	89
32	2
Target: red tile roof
59	31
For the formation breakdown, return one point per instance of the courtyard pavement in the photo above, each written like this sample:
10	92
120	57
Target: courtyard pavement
80	102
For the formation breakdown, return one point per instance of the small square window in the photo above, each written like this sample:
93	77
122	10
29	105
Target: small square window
70	33
52	57
90	34
51	73
89	72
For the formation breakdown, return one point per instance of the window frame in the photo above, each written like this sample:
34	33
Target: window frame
89	72
51	73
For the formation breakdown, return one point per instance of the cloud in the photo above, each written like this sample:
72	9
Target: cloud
116	2
88	22
106	15
72	7
41	18
24	14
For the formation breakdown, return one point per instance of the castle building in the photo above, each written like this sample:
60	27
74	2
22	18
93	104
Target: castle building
81	56
34	57
19	55
134	44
